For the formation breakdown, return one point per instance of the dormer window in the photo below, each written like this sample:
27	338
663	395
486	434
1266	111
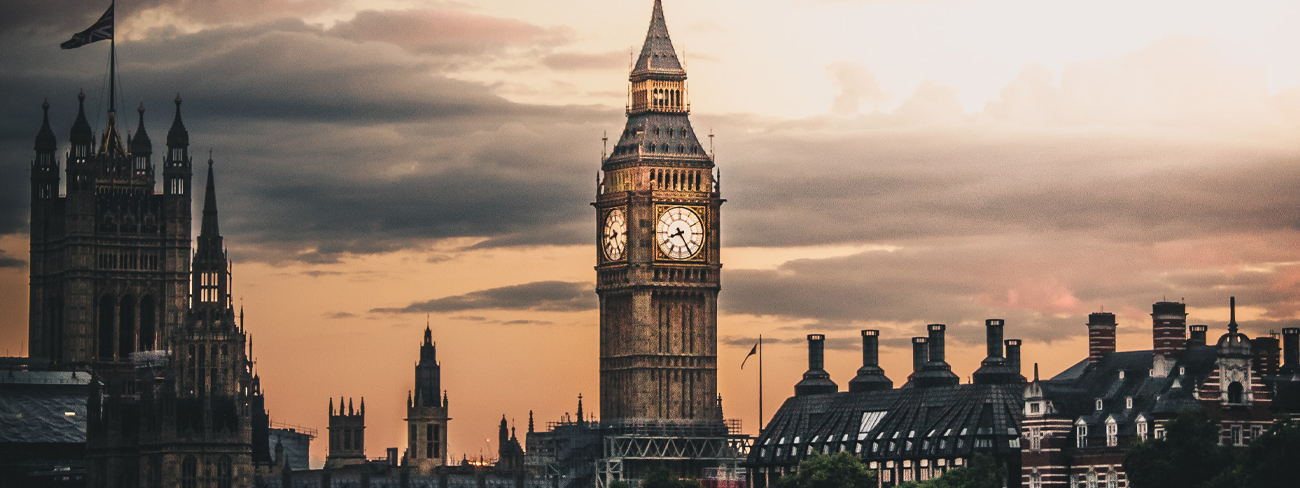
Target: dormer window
1142	430
1112	434
1081	436
1034	407
1121	374
1128	403
1099	404
1182	370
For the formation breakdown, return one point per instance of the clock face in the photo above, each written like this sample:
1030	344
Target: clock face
680	233
614	238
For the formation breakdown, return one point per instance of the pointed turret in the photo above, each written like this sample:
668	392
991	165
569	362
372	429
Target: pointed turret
45	141
211	272
141	148
657	54
428	374
177	136
81	136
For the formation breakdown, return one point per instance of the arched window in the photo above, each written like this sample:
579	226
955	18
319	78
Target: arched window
189	472
126	326
225	476
1234	392
106	316
148	324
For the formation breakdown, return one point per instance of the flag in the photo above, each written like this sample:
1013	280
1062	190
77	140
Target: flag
752	351
100	30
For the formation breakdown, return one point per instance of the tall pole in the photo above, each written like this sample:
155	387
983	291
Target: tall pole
112	66
760	383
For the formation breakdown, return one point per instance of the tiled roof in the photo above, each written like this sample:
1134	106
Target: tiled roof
652	135
43	407
657	54
952	421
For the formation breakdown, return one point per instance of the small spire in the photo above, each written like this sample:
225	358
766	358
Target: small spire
177	136
81	132
331	406
530	421
1232	320
657	54
45	141
210	227
1035	371
140	143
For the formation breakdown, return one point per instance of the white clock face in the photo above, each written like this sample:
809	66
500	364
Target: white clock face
680	233
614	238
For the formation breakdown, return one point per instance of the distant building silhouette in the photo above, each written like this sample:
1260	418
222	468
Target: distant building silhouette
426	412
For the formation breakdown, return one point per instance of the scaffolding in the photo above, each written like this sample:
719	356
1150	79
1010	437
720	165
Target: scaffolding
698	446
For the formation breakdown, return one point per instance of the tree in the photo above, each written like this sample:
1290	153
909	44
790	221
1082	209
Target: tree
1270	461
1189	456
660	477
839	470
982	472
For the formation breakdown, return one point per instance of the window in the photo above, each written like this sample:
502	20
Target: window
1099	404
347	439
1112	431
1112	479
1092	479
1160	433
1035	438
1128	403
1142	430
1236	436
1082	435
1254	433
1035	480
224	472
189	472
1234	392
1034	407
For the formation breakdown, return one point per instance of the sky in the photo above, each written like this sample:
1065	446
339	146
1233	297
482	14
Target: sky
886	164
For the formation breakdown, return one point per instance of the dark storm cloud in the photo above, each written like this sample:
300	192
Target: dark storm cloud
546	296
324	145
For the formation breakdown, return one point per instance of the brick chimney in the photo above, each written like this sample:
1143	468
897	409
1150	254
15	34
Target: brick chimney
1290	351
816	380
1197	337
919	355
870	376
1101	335
1168	328
1013	355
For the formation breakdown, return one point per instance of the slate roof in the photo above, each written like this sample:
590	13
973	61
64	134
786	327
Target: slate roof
34	406
909	423
658	135
657	54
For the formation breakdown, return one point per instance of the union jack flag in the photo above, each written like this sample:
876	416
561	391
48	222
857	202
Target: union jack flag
100	30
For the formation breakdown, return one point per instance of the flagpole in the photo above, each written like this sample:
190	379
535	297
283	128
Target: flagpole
112	65
760	383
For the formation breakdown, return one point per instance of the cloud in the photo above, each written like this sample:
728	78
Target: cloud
8	262
570	61
444	31
527	322
856	86
546	296
340	315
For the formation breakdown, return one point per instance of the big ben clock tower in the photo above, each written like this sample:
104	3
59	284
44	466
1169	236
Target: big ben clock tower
657	271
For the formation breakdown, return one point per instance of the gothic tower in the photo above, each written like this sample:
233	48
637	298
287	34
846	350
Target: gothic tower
657	271
426	415
110	260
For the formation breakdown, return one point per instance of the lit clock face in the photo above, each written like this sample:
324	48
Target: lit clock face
680	233
614	238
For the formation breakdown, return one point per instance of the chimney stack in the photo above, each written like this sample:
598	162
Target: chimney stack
1197	337
816	380
1168	328
1266	354
1101	335
995	368
936	371
1290	351
1013	356
870	376
919	355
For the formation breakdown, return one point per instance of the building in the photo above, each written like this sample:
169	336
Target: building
115	289
915	432
426	413
291	445
1080	423
657	277
347	435
42	425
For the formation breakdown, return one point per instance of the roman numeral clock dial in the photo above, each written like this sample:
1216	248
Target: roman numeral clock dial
614	239
680	233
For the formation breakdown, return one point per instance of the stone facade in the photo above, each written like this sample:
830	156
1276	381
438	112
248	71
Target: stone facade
658	269
426	413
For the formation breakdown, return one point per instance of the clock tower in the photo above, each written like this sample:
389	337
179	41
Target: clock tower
657	262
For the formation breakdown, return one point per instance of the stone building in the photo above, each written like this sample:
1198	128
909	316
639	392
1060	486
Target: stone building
115	290
426	413
915	432
347	435
1080	423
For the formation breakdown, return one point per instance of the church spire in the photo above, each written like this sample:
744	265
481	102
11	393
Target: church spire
210	228
211	280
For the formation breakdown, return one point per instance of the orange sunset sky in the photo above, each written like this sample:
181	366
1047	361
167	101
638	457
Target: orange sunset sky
887	164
